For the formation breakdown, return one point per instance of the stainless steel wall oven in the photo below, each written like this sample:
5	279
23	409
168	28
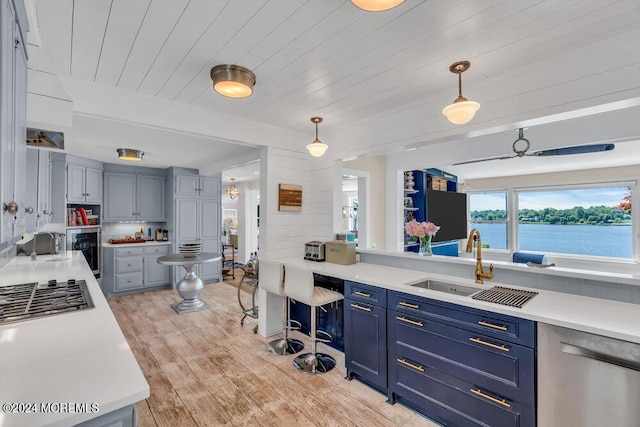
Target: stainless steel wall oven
88	241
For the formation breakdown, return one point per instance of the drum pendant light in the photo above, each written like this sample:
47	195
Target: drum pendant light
317	148
376	5
462	110
233	81
130	154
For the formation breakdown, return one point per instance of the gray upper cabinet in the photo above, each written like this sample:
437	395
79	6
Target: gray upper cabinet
134	197
194	185
84	184
119	196
151	197
13	85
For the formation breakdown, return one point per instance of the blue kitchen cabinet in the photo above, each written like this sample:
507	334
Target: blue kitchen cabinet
365	334
460	365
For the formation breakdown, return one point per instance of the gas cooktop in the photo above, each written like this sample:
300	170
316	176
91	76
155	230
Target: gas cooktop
32	300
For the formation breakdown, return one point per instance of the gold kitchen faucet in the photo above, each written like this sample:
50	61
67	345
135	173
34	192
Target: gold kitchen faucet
480	274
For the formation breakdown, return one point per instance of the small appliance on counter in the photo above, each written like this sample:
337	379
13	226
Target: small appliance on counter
43	243
340	252
314	251
162	235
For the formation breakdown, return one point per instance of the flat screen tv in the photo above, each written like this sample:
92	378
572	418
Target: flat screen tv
447	209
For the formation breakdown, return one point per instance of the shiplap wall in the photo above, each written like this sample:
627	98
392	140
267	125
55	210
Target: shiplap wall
283	234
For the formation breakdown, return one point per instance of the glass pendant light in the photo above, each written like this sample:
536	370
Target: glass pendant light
376	5
317	148
462	110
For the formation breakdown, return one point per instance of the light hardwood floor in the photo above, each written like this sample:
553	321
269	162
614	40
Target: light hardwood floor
204	369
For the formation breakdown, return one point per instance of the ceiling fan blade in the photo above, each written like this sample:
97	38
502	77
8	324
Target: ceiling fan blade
579	149
484	160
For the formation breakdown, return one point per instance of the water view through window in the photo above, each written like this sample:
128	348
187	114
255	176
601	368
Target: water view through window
594	221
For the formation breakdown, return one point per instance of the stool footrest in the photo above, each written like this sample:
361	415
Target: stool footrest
328	336
310	363
282	347
294	325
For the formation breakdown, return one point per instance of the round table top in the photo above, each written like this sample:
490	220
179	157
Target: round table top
180	259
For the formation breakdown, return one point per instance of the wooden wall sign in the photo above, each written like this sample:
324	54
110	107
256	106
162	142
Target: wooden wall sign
289	197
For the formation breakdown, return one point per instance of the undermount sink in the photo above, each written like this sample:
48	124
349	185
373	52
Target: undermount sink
449	288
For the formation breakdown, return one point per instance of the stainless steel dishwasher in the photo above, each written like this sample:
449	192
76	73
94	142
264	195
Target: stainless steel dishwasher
587	380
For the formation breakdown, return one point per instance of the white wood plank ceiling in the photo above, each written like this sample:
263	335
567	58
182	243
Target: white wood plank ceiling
329	58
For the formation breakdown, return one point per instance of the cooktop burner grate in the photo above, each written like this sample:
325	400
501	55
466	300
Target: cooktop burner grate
505	296
31	300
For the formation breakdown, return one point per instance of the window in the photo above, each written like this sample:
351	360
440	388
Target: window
488	213
583	221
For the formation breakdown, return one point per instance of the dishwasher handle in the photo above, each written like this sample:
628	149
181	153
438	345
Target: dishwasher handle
601	357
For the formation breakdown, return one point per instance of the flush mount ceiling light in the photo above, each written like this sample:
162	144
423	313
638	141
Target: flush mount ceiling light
317	148
376	5
130	154
232	191
462	110
233	81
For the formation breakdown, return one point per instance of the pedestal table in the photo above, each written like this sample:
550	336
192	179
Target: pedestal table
190	286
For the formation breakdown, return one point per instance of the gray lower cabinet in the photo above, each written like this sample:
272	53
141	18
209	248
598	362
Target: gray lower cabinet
133	268
123	417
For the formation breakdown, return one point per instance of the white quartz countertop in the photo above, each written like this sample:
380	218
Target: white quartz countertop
128	245
594	315
78	357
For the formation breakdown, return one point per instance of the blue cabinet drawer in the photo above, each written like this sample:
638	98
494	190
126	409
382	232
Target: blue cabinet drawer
365	293
509	328
503	367
444	397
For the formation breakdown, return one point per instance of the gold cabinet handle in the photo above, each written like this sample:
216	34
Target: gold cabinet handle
359	307
491	398
406	304
488	344
413	322
411	365
491	325
362	294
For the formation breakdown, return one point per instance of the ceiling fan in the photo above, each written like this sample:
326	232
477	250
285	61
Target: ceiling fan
563	151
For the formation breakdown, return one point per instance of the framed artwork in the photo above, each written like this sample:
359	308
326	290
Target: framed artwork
289	197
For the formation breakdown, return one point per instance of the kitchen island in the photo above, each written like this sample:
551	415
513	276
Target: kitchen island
77	365
423	340
594	315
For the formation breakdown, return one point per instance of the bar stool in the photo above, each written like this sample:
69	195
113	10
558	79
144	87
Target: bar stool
272	281
299	286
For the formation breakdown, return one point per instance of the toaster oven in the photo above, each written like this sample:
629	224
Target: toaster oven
314	251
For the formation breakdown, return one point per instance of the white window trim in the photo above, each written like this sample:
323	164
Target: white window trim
601	263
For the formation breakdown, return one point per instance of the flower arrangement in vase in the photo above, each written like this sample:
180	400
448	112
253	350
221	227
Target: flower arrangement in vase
422	232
